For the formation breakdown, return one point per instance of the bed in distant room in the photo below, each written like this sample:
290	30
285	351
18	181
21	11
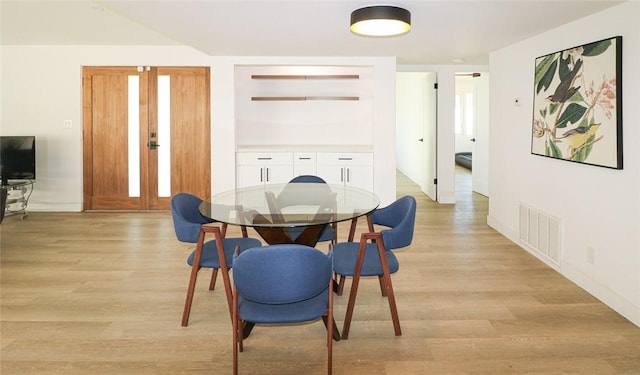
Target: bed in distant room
463	159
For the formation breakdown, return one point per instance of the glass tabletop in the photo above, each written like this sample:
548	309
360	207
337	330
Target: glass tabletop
289	205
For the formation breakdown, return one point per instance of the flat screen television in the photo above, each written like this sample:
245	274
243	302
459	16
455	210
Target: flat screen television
17	158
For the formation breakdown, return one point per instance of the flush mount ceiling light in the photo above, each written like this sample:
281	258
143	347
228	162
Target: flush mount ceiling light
380	20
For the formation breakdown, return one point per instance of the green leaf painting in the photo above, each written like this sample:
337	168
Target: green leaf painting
577	104
572	114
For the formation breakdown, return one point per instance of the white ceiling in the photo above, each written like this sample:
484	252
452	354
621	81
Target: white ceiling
441	30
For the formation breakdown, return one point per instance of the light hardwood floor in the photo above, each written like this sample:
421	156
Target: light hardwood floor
102	293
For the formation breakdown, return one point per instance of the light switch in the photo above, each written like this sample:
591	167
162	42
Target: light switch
67	124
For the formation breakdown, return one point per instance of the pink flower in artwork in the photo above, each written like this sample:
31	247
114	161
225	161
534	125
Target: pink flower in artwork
605	96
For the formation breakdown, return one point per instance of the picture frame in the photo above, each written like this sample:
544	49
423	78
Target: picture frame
577	105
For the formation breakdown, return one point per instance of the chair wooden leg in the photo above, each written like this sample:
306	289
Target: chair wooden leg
354	288
388	287
235	326
383	289
340	285
330	326
189	299
195	267
223	260
214	276
223	231
336	333
225	271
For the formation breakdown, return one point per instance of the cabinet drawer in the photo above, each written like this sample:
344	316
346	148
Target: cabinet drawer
264	158
352	158
304	158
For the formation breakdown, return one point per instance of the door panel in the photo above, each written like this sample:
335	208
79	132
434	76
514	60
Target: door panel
190	131
120	169
105	117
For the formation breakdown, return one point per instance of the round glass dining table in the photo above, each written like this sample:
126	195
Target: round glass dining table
274	209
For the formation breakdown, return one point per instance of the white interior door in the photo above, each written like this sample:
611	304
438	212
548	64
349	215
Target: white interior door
430	139
416	124
480	161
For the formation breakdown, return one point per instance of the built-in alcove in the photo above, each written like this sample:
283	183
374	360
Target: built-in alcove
280	105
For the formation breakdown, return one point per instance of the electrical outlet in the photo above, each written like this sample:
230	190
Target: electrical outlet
67	124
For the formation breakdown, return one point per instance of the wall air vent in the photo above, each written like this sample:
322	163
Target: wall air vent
541	233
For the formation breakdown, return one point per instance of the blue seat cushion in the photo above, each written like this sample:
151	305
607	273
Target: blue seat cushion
209	257
300	311
345	255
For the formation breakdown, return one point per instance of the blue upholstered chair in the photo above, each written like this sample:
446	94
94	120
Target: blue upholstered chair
372	256
330	232
189	227
281	284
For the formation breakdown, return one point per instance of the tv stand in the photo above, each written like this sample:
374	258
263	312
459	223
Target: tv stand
14	198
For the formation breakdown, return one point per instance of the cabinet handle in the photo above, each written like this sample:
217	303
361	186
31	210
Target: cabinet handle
267	174
345	158
304	158
348	175
264	158
341	174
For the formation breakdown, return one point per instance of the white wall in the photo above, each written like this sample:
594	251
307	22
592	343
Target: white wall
42	87
599	207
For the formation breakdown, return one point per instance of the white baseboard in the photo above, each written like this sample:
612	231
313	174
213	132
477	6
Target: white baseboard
55	207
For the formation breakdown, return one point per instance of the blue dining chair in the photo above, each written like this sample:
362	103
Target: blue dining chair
330	232
190	227
281	284
372	256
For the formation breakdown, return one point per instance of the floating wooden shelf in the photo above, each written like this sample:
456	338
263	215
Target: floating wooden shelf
296	76
301	98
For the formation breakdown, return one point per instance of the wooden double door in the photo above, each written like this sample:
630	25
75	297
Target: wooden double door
146	136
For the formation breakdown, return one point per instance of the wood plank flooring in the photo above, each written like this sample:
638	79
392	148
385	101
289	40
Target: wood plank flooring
102	293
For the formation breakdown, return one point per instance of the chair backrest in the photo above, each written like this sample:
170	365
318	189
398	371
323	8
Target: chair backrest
187	219
400	216
290	196
308	178
281	274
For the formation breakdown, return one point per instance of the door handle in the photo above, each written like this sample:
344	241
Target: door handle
421	140
472	139
153	145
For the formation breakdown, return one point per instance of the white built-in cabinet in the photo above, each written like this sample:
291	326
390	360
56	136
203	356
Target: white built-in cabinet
339	168
257	168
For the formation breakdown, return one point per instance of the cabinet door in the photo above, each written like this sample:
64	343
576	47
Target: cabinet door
249	175
359	176
274	174
332	174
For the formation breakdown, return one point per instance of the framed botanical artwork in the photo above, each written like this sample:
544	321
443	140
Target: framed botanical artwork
577	104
